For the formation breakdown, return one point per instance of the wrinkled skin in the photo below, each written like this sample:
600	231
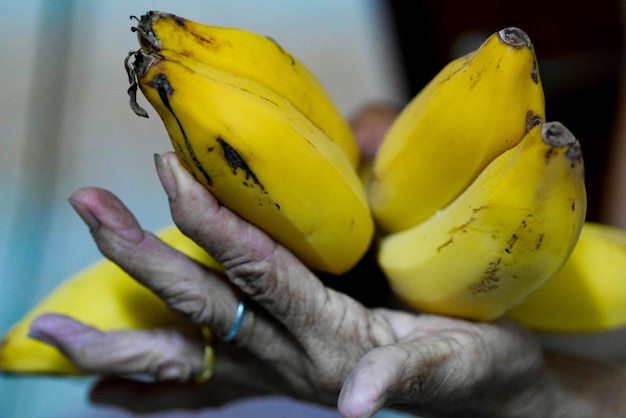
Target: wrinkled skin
309	341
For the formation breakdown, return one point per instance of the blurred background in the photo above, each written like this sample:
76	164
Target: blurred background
66	123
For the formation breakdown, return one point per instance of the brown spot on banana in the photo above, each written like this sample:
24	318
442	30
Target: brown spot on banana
490	280
478	209
515	236
462	227
445	244
235	161
539	241
210	43
532	120
474	79
162	85
511	243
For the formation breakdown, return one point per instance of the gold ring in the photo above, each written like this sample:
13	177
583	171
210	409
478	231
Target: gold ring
209	357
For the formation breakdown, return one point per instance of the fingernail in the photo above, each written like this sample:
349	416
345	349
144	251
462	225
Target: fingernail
85	214
166	176
40	335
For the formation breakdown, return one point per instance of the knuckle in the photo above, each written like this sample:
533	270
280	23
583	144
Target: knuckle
189	302
253	276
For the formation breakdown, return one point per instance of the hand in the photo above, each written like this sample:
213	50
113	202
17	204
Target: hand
308	341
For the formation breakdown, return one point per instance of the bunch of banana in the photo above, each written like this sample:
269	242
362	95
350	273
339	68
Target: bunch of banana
506	235
475	108
253	126
479	202
102	295
589	293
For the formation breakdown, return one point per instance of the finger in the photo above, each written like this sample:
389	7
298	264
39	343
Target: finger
237	375
442	369
370	126
164	354
189	288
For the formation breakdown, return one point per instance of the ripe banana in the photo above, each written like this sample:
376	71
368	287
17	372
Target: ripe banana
102	295
503	237
475	108
250	56
589	293
261	157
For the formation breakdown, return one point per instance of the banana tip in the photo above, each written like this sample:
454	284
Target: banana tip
515	37
555	134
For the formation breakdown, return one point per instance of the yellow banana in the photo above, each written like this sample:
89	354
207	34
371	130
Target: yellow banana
261	157
102	295
251	56
589	293
503	237
477	107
